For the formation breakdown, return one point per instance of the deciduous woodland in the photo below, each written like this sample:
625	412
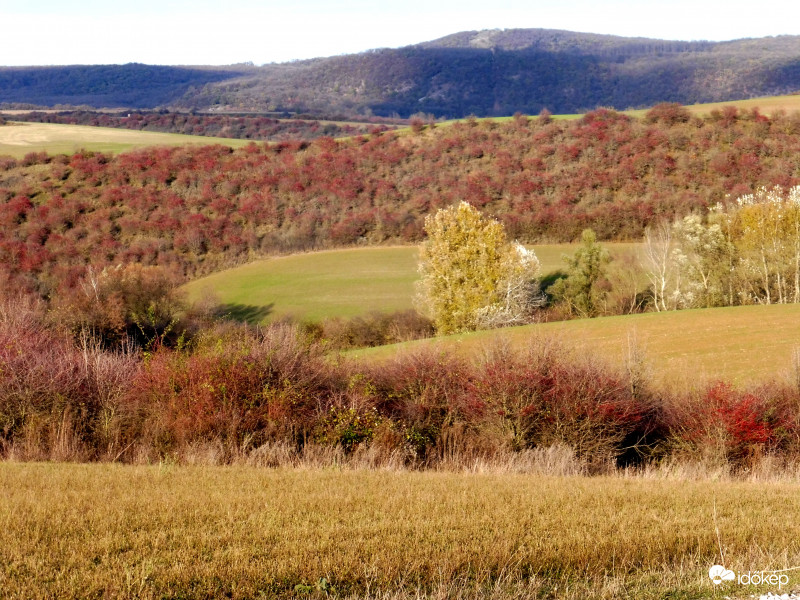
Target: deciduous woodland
195	210
486	73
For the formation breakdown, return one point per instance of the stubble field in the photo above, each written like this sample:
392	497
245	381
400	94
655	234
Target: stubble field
92	531
18	139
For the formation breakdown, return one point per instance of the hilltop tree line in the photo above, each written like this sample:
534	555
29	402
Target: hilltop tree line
258	128
193	210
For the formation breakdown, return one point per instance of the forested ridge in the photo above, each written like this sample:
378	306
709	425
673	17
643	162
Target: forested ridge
131	85
485	73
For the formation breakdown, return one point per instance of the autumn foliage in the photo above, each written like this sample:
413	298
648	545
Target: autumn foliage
243	390
197	209
104	240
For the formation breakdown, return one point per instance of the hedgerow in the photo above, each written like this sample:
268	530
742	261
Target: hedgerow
244	389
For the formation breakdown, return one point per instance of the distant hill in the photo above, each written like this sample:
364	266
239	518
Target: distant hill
494	72
131	86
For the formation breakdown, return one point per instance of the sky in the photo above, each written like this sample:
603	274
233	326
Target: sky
219	32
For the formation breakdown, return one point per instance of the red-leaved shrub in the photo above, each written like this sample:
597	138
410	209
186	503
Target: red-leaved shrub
733	425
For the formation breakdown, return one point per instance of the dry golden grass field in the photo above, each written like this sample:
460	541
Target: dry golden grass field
766	106
18	139
112	531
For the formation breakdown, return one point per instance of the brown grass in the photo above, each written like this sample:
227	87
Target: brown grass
189	532
18	139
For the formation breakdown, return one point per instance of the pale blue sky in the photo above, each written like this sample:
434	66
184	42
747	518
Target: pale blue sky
42	32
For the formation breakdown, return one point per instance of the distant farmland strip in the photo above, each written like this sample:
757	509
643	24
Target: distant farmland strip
19	139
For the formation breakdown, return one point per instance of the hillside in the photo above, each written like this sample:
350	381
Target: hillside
686	348
195	210
340	283
496	72
132	85
502	72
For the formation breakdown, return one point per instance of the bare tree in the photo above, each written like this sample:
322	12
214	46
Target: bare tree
657	262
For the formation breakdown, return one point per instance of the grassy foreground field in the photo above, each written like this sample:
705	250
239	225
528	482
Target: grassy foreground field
742	344
86	531
18	139
338	283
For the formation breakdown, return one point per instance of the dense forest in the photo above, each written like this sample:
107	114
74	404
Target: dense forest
196	209
497	72
132	85
260	128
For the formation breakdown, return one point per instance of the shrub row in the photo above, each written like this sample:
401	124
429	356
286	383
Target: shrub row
245	389
373	329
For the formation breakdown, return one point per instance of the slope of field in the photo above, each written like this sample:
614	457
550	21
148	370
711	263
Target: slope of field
337	283
189	532
767	105
341	283
18	139
742	344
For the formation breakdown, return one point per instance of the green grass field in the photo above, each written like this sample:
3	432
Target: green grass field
766	105
337	283
742	344
739	344
320	284
18	139
104	530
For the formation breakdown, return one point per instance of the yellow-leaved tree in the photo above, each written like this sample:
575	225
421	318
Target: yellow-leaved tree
472	277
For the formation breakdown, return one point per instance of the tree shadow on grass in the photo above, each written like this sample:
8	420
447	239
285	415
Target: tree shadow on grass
548	280
244	313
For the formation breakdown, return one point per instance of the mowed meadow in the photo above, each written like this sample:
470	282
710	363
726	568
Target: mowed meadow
342	283
680	349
